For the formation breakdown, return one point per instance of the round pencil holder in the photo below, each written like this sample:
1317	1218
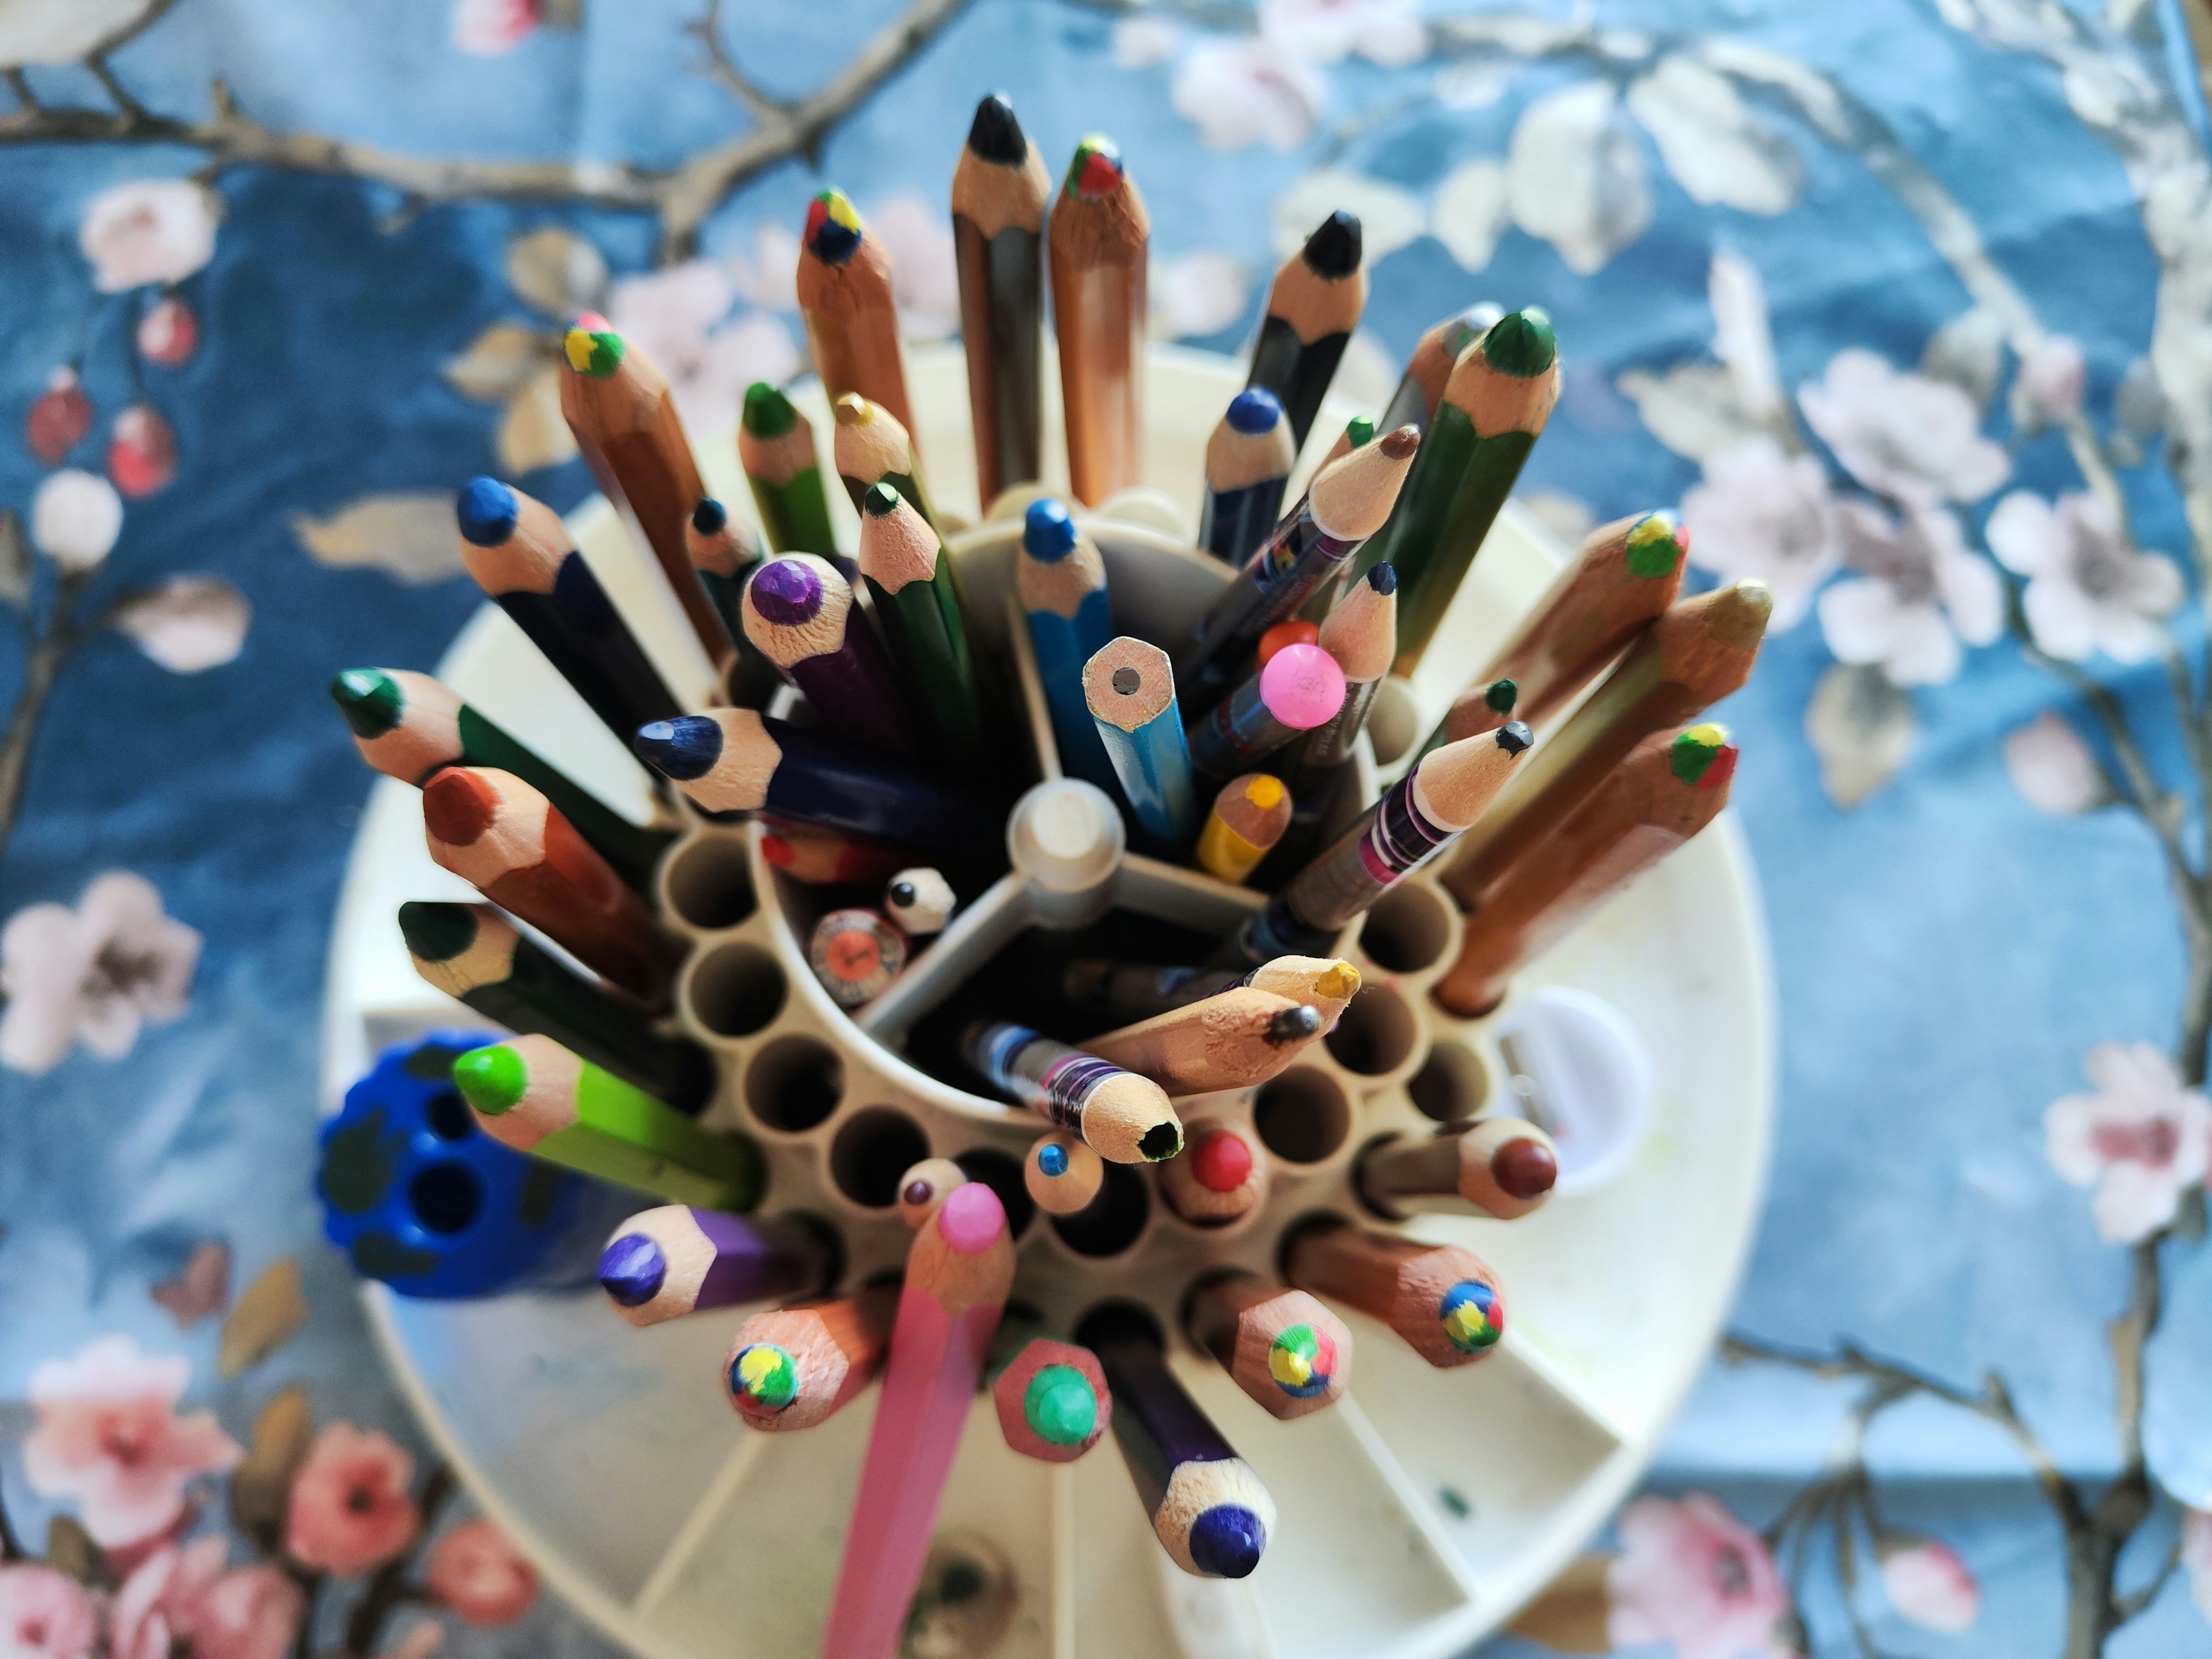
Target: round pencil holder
1414	1516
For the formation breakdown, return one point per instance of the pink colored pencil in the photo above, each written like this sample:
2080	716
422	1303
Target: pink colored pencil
957	1274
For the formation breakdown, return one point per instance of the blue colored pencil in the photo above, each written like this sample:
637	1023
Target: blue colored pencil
1062	583
1248	463
1129	687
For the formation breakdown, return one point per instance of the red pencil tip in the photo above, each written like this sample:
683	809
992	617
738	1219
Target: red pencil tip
457	806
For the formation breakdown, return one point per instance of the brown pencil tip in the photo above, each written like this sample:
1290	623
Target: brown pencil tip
457	806
1525	1168
1401	443
1739	613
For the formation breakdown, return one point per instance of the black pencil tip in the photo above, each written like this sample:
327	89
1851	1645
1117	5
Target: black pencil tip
995	135
1383	578
1513	736
709	516
1332	250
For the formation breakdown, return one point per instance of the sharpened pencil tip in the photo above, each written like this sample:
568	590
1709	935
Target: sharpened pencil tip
1383	578
709	516
684	748
1227	1542
1254	409
833	227
1059	1406
1332	250
767	412
787	592
1501	695
1521	343
1401	443
880	501
1097	168
1294	1024
1514	736
1048	531
491	1080
1524	1167
995	135
486	510
459	806
369	701
436	931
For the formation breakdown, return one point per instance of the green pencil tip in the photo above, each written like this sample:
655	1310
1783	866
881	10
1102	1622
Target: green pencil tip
1653	547
436	932
491	1080
369	699
1521	343
768	413
1502	695
1059	1406
1358	430
880	500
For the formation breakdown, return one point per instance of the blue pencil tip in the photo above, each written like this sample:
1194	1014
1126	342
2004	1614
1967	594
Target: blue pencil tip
1254	409
1047	531
487	510
631	1270
1227	1542
1383	578
684	748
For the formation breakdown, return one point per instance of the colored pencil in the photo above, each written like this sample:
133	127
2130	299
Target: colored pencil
1414	819
663	1264
855	954
1062	582
1052	1400
724	553
1699	652
1124	1118
1291	1355
845	299
917	601
1062	1174
1341	508
957	1274
1360	631
506	840
1301	688
789	1368
1132	991
1297	631
534	1095
823	858
471	952
520	554
408	725
1248	462
734	760
919	901
1671	786
1248	817
873	447
1440	1298
1422	387
925	1185
1208	1509
1623	579
1000	187
1221	1175
1130	690
800	615
775	446
1359	432
1313	306
1498	1166
1241	1037
617	401
1098	237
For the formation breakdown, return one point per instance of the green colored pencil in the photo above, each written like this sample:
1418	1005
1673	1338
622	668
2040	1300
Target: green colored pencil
775	446
918	604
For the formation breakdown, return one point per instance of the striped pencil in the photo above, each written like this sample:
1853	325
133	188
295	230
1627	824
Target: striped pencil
1360	631
1301	688
724	554
789	1368
844	299
1099	236
1221	1175
617	401
534	1095
1671	786
799	614
1208	1509
1248	462
1248	817
1000	187
506	840
1122	1117
1498	1166
917	600
520	554
408	725
775	446
957	1274
1132	991
1312	307
1062	582
823	858
1422	388
925	1185
1129	688
872	448
471	952
1239	1038
1291	1355
1052	1399
663	1264
733	760
1440	1298
1062	1174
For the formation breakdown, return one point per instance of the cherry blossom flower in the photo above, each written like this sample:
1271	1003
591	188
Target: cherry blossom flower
2048	387
418	1641
141	452
680	317
474	1570
350	1509
1202	292
168	333
76	517
149	230
925	281
486	28
1247	92
1928	1585
1917	593
187	1595
44	1614
2197	1557
2052	769
188	623
1387	32
58	419
109	1436
1139	42
768	279
1691	1574
250	1612
94	974
2141	1140
1901	434
2087	590
1763	512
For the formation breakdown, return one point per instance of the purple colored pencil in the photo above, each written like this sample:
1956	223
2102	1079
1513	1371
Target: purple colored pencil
799	611
665	1263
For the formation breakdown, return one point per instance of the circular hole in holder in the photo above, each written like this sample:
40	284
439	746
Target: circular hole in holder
1407	930
1451	1084
710	885
737	989
1394	721
1003	1175
1376	1033
794	1083
448	1115
872	1151
1302	1116
1110	1223
445	1198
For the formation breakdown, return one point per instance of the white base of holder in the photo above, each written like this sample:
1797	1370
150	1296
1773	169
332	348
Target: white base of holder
1415	1516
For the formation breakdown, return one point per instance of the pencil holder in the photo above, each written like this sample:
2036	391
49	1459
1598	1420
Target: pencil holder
1416	1514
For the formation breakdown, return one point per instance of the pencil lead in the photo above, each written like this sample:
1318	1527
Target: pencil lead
767	412
1254	409
1332	250
632	1270
1097	168
1703	756
592	347
995	135
1513	736
1294	1024
1047	531
1400	444
1501	697
1383	578
684	748
1656	546
1358	431
709	516
880	501
491	1080
1525	1168
368	699
436	932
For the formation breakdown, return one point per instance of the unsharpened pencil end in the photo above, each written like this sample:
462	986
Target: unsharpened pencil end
1524	1167
1332	250
709	516
1521	343
1227	1542
767	412
1254	410
1048	531
491	1080
436	931
682	749
486	510
995	135
632	1269
1059	1406
368	699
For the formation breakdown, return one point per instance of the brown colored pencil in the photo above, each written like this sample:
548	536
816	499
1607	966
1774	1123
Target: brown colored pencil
790	1368
845	297
1098	238
1223	1173
1441	1299
1313	306
1289	1353
1241	1037
872	446
1498	1166
1000	187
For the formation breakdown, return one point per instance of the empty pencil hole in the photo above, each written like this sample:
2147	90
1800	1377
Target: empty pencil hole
794	1083
445	1198
1406	931
448	1116
1394	721
1003	1175
1376	1034
737	990
1110	1223
1451	1084
872	1151
1302	1116
709	883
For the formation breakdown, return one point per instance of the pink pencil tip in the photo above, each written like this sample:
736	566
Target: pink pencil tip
1302	686
972	1219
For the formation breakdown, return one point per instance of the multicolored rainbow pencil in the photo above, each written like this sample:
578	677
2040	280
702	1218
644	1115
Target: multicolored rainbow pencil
1312	308
844	299
1291	1355
1052	1399
1099	236
1122	1117
1248	463
775	446
1496	1166
790	1368
1235	1040
1441	1299
872	448
1130	690
1248	817
999	188
1221	1175
1300	689
1061	581
917	601
799	614
724	554
665	1263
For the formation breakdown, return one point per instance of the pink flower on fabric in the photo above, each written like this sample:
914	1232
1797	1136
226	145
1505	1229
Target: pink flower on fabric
2049	385
1916	594
109	1436
150	230
1387	32
486	28
1693	1575
96	974
681	317
250	1612
350	1509
1929	1584
1903	435
1763	512
2141	1140
1247	92
925	280
1202	292
418	1641
474	1570
2196	1557
2088	589
44	1614
2052	769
